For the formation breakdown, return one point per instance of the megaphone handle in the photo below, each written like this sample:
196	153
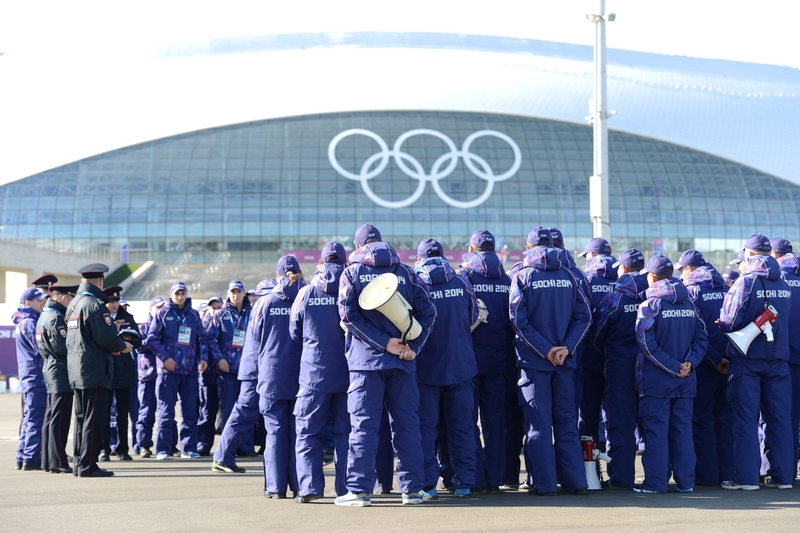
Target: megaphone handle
410	325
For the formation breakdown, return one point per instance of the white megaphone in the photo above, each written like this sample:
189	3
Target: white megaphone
590	457
381	294
483	315
761	324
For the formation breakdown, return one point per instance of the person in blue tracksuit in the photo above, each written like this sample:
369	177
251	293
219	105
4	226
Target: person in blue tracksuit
178	340
550	317
245	412
323	376
278	374
146	389
761	377
614	335
34	391
730	276
672	342
493	343
226	335
445	369
600	278
514	423
382	369
207	388
712	418
790	271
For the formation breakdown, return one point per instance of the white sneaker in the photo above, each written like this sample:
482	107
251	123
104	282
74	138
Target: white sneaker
190	455
731	485
772	485
412	498
162	457
353	500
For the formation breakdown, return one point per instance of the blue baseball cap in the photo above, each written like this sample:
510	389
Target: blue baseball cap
430	248
780	245
365	233
691	258
540	236
598	245
730	275
558	238
739	258
286	264
659	265
333	249
158	301
482	239
177	286
236	284
264	287
30	294
631	258
758	243
216	299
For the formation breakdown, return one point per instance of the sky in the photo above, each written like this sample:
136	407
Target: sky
67	65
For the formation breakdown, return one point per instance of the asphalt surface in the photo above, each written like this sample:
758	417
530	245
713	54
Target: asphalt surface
184	495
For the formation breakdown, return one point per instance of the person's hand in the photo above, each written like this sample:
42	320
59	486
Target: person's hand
223	365
395	347
203	366
408	355
686	369
118	323
557	355
170	364
128	347
723	366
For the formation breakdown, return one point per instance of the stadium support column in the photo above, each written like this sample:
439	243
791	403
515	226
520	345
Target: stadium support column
598	183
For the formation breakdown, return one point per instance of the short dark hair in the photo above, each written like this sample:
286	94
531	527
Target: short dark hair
434	253
368	241
659	277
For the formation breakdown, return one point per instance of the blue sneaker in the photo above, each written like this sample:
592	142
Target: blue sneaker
690	489
428	495
353	500
190	455
412	498
464	493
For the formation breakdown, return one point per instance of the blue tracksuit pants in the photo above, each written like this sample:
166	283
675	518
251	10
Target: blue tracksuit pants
240	424
384	460
170	387
593	383
207	407
667	425
712	428
753	383
312	411
621	406
548	405
280	470
489	394
369	391
514	433
29	449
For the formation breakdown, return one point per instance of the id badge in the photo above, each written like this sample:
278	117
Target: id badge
184	335
238	338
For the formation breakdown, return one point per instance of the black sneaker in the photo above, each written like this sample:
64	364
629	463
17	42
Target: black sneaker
144	453
103	457
492	489
124	457
31	466
307	498
226	469
583	491
275	495
19	465
608	484
327	456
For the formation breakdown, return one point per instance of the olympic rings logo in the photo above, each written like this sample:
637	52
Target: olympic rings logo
444	165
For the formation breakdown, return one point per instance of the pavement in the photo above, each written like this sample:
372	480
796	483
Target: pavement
184	495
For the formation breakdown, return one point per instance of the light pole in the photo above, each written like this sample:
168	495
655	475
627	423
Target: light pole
598	183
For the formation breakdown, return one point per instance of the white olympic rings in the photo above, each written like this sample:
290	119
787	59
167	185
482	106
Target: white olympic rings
411	167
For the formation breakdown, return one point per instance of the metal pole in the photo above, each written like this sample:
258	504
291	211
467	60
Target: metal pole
598	183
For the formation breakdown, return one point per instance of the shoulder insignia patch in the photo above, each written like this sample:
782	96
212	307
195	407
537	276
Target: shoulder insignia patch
107	318
62	331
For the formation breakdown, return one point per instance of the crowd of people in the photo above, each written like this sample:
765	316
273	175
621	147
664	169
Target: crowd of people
452	369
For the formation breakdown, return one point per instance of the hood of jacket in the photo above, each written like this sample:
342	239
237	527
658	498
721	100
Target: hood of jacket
542	258
285	291
326	277
632	284
434	270
377	254
764	266
566	258
670	290
790	264
487	264
22	312
601	265
706	277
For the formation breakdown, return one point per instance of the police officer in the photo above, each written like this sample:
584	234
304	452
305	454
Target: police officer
146	387
51	337
92	338
492	342
672	342
226	336
614	335
550	317
759	376
323	376
382	371
178	340
44	283
34	393
445	370
790	268
712	418
125	377
278	375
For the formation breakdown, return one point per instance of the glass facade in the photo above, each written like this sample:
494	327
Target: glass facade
258	188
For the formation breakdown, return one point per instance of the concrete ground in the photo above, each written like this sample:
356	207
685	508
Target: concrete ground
184	495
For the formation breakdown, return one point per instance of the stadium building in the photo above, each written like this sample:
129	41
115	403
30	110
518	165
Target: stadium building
432	135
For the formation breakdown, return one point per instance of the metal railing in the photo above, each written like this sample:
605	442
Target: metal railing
198	282
165	277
